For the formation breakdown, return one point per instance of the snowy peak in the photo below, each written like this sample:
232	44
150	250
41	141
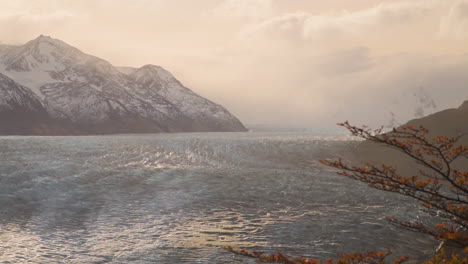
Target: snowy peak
158	80
44	53
157	71
47	39
154	76
93	96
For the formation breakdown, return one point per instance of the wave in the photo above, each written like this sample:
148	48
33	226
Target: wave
159	197
285	151
48	173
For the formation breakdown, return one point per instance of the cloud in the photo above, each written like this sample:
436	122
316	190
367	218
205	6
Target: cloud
455	23
326	68
251	9
318	69
32	24
52	17
36	11
378	20
351	85
344	62
284	67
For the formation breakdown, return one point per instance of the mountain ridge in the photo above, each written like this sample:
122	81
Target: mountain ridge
449	122
94	97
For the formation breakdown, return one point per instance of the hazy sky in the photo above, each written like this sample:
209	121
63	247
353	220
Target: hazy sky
292	62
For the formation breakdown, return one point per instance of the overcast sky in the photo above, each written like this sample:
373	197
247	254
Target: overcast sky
291	62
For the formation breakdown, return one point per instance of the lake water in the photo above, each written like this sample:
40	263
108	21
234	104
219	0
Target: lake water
178	198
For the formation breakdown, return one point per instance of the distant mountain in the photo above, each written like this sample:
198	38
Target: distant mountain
448	122
83	94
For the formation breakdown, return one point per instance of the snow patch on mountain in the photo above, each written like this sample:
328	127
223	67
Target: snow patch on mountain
158	80
14	95
87	90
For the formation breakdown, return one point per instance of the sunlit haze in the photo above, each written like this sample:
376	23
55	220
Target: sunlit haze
291	63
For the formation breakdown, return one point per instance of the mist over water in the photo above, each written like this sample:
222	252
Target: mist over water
178	198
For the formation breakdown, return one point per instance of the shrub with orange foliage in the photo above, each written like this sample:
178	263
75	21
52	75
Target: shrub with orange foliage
440	188
369	257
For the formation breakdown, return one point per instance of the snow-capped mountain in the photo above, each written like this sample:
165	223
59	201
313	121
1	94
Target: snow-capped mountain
92	96
21	111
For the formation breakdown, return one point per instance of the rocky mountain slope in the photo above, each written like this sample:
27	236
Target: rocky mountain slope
83	94
448	122
20	109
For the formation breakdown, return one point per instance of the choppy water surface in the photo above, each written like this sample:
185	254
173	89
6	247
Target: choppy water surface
177	198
